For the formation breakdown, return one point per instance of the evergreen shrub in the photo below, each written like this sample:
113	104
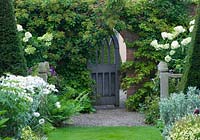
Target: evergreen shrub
11	54
191	75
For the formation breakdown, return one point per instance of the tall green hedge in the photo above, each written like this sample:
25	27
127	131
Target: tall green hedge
12	59
191	75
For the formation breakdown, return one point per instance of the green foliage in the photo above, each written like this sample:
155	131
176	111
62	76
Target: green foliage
12	58
151	110
59	109
148	19
2	119
82	100
77	27
191	75
188	128
178	106
85	103
135	101
17	113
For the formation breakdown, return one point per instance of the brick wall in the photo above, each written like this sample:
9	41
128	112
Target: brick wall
130	37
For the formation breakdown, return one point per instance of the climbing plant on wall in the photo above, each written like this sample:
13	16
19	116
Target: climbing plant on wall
75	30
148	19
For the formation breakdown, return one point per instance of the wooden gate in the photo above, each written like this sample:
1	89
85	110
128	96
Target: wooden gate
104	71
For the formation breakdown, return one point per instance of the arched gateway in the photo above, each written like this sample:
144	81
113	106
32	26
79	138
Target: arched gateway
104	71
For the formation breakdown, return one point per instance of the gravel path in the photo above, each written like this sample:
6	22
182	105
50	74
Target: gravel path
109	117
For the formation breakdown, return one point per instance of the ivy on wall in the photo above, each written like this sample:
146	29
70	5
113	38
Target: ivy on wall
76	30
148	19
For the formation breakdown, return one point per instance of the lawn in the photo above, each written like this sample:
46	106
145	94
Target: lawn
106	133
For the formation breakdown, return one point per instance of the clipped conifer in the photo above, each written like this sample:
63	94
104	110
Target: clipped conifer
12	59
191	76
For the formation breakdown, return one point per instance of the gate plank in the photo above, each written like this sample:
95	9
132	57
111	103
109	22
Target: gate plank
106	75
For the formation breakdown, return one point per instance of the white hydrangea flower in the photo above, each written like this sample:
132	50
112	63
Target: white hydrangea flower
179	29
158	47
41	121
191	28
170	36
57	104
186	41
165	46
25	39
30	49
175	34
154	43
168	58
164	35
28	35
47	36
19	28
192	22
172	52
175	45
36	114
